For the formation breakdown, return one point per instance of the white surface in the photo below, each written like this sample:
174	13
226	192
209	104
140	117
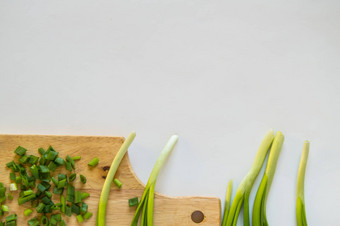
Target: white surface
218	73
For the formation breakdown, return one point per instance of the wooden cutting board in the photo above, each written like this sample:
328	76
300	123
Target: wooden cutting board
168	211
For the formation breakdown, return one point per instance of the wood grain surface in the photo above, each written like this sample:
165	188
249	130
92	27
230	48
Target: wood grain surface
168	211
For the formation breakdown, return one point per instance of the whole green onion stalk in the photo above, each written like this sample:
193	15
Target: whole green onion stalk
227	202
146	204
244	189
259	208
109	178
300	202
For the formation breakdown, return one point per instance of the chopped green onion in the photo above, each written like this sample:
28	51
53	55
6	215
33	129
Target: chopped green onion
12	176
84	195
52	166
63	204
93	162
75	209
76	157
109	178
32	159
44	220
54	181
41	151
34	171
68	166
87	215
62	183
72	177
48	194
51	155
44	169
83	208
70	193
62	223
68	211
77	198
300	202
59	161
40	207
12	217
13	187
33	222
20	151
4	208
133	201
83	179
70	160
80	218
27	212
117	182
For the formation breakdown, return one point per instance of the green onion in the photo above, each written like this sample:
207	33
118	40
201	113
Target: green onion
75	209
80	218
118	183
20	151
13	187
68	166
70	160
32	159
83	208
40	207
48	194
93	162
244	189
76	157
41	187
52	166
83	179
77	197
87	215
27	212
63	204
109	178
227	202
259	208
300	202
4	208
70	193
34	171
59	161
72	177
41	151
62	223
84	195
10	218
44	220
147	200
68	211
133	201
12	176
62	183
33	222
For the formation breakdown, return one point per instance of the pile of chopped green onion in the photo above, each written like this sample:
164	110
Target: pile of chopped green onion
34	176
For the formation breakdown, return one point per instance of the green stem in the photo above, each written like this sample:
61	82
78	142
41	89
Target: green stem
109	178
300	203
227	202
259	209
248	181
147	200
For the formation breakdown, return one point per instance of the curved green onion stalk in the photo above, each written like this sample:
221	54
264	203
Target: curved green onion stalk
147	201
259	208
243	191
227	202
300	202
109	178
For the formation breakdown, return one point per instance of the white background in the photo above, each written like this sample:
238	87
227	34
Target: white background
218	73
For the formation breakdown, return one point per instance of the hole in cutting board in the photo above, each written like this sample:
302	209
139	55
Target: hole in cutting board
197	216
